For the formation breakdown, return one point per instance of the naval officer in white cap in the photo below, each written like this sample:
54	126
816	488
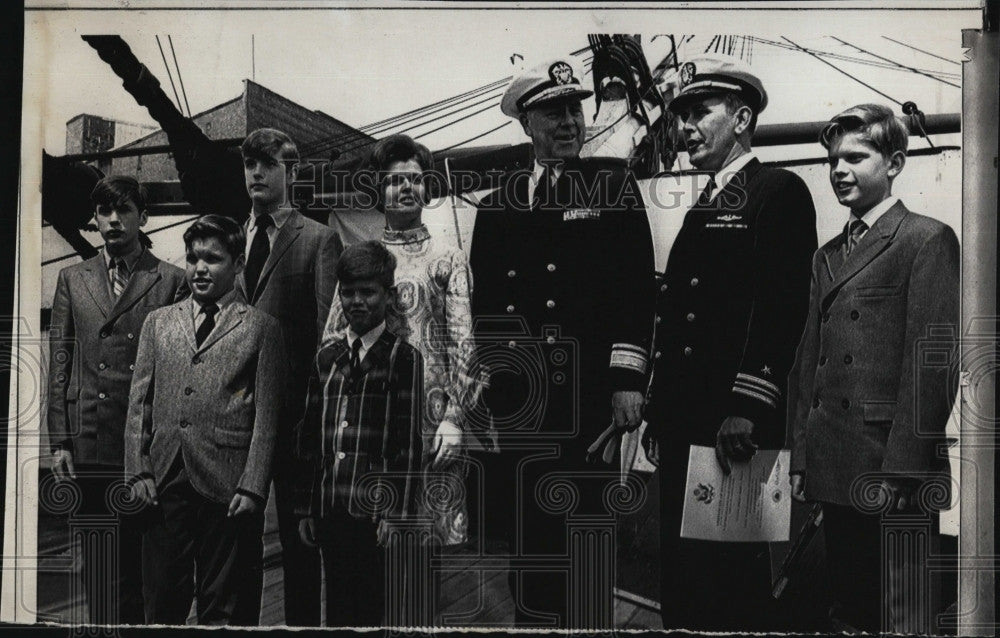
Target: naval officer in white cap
730	313
562	260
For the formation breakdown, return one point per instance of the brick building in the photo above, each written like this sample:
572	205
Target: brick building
315	132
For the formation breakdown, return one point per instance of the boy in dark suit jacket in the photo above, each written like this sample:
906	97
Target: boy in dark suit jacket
97	312
202	423
867	410
361	433
290	261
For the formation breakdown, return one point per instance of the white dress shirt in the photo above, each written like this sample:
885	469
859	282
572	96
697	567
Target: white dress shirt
279	216
872	216
198	310
367	340
536	176
726	173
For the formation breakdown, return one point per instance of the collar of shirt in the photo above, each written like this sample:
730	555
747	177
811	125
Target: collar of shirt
367	340
536	176
726	173
131	259
223	302
873	215
279	216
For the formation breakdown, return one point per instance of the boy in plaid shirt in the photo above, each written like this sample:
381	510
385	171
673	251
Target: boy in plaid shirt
360	440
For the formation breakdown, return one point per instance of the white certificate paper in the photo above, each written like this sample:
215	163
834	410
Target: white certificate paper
752	504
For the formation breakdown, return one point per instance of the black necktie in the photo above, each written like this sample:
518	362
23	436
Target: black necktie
260	248
206	326
706	195
854	231
356	358
545	190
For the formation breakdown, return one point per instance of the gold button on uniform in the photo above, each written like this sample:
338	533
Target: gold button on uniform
663	288
694	282
550	304
511	273
341	455
510	308
343	424
690	316
688	351
551	267
550	340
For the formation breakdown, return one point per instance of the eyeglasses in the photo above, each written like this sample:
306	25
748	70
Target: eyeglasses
397	179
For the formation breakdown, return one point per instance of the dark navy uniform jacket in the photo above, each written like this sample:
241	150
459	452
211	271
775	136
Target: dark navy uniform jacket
563	299
731	309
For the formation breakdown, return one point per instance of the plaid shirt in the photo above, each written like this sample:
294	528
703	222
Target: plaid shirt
359	441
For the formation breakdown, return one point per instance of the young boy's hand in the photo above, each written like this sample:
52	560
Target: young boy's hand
900	493
307	531
62	465
447	444
242	504
144	491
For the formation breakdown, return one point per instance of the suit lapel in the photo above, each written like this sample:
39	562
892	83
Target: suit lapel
876	240
95	278
378	354
286	236
228	320
185	322
144	276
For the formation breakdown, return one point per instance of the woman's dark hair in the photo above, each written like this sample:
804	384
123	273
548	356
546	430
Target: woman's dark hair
392	149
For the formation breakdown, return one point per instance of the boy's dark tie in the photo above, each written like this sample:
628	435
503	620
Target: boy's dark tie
355	358
260	248
854	231
206	326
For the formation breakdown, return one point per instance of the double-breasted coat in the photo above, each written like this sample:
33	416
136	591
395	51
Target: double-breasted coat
93	342
873	386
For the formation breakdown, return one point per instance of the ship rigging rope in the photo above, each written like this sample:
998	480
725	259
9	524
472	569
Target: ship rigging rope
169	74
387	123
835	67
367	142
933	55
847	58
902	66
180	80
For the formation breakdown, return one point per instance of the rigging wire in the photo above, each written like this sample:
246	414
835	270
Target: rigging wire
839	70
180	80
847	58
322	144
169	74
902	66
933	55
472	139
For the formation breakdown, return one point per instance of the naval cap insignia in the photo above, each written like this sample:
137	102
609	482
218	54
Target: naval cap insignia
687	73
561	73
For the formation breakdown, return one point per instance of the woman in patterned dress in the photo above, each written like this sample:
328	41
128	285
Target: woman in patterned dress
431	311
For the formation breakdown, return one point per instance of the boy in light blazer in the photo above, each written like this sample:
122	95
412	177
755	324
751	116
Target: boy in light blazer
97	312
200	437
866	408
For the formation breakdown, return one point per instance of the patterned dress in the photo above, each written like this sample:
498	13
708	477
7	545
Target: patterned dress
431	311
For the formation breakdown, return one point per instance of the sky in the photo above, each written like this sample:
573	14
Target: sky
362	66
